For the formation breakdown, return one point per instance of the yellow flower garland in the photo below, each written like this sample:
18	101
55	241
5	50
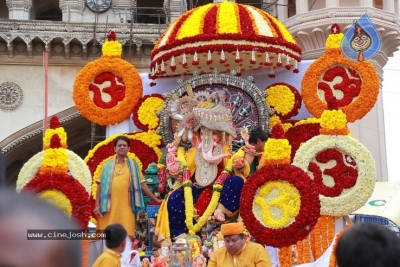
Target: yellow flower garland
333	119
194	24
277	150
49	134
226	25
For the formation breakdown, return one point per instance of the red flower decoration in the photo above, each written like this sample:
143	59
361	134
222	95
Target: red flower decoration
309	208
54	122
300	134
344	173
82	204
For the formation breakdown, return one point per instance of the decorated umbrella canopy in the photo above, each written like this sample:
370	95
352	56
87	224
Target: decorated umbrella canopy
225	36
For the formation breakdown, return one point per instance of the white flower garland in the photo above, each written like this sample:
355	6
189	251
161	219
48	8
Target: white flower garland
76	166
353	198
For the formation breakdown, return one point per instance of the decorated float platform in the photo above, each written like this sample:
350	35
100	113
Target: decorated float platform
212	81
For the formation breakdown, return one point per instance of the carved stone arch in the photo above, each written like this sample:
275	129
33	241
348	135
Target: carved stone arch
46	10
22	145
304	41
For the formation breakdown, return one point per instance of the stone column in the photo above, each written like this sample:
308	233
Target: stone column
388	5
19	9
174	8
301	6
331	3
282	10
367	3
72	10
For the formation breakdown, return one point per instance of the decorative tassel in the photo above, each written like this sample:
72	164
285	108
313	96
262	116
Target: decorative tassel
288	65
173	65
253	57
223	59
271	72
267	62
195	59
209	59
237	58
279	64
156	69
162	67
295	70
184	63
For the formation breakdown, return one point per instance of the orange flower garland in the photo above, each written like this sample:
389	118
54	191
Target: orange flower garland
358	81
285	256
114	103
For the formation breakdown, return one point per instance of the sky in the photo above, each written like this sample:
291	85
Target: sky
391	109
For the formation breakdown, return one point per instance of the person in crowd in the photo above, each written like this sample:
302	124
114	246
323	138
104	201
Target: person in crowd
115	243
368	245
237	251
119	193
23	215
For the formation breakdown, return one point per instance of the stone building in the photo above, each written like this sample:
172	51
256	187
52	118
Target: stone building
72	32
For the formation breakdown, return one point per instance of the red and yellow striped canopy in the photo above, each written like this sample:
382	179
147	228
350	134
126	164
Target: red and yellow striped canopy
224	36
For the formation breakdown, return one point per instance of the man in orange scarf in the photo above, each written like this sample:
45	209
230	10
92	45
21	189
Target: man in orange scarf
237	251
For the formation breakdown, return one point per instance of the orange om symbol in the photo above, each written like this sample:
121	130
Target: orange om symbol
342	175
111	85
340	85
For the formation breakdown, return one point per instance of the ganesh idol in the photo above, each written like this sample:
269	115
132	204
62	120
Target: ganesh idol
201	175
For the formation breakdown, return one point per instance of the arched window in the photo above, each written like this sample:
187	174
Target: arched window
46	10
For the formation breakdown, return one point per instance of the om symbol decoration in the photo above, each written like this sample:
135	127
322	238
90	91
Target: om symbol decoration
340	172
340	84
108	90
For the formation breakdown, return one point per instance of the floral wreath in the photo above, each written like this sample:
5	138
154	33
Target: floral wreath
350	197
144	112
76	167
298	218
53	186
359	77
284	98
123	93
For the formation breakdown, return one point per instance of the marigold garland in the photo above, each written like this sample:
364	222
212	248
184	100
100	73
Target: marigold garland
285	256
333	64
122	108
343	196
302	224
284	99
144	113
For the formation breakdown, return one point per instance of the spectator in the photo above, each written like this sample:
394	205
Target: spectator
115	243
22	212
368	245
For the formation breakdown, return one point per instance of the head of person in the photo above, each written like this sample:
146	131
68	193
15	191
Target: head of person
233	237
20	212
115	237
122	145
368	245
257	138
145	262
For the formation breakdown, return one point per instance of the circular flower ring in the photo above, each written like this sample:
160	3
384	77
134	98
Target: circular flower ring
76	166
144	112
351	197
350	72
285	232
107	115
81	205
284	99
